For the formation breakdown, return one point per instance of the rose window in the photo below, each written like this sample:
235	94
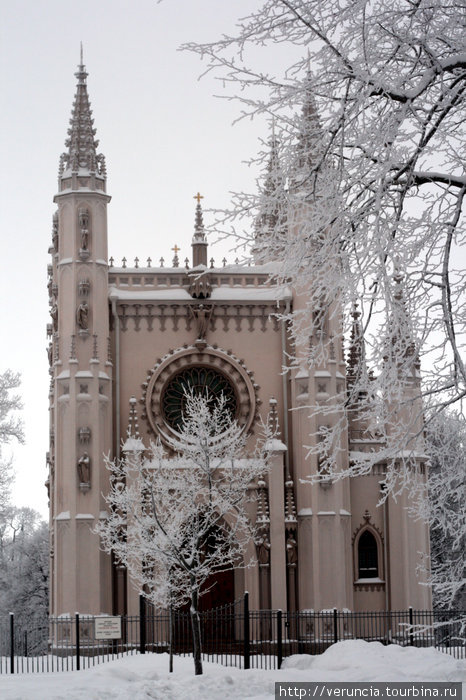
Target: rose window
200	380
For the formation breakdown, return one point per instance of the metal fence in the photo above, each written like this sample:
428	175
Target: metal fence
232	635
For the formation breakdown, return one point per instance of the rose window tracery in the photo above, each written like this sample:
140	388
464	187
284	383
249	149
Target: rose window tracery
201	380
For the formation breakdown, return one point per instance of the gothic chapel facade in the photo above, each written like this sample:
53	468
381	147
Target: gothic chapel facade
123	332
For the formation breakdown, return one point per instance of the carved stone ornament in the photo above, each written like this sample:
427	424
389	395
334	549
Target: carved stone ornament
84	286
84	435
200	286
211	358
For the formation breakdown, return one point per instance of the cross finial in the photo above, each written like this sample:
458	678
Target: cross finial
175	249
198	197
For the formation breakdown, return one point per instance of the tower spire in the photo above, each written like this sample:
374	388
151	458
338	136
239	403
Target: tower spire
271	220
401	342
81	156
309	137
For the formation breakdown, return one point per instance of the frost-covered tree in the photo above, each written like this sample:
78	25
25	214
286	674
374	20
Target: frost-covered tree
173	521
10	428
24	549
10	423
362	206
24	567
445	508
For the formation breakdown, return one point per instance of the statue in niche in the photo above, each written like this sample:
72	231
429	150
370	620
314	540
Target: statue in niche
55	232
83	218
291	550
202	315
84	469
82	316
50	354
54	315
84	239
263	551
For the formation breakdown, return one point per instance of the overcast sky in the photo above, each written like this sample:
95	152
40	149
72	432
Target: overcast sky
163	133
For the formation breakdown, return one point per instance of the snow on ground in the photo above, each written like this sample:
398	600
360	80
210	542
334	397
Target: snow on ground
147	678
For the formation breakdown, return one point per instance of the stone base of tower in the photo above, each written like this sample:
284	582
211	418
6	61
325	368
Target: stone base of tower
82	572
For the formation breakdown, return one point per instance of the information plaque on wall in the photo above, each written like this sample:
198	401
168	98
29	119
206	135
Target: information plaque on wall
107	627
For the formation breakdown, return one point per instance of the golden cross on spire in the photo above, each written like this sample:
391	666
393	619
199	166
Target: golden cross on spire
198	197
176	250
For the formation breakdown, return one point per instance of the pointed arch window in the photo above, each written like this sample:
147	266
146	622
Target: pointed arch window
368	560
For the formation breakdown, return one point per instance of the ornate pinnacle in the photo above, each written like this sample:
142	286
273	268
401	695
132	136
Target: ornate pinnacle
81	145
263	515
133	426
133	443
290	507
272	418
402	342
199	242
176	260
199	232
95	355
356	351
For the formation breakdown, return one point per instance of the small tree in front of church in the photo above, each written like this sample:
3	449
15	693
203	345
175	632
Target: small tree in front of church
174	521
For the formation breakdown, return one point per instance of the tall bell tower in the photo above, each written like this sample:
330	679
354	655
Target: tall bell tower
81	370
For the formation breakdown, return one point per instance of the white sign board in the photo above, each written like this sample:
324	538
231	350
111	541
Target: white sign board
107	628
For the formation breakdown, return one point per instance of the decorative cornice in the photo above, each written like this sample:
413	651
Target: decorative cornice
228	316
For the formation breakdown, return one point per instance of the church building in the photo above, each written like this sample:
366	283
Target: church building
124	338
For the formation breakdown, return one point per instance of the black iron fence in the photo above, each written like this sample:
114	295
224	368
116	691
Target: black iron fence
231	635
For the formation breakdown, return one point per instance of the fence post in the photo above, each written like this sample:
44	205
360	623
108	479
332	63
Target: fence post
279	639
335	626
25	643
142	624
247	641
12	642
78	649
411	622
171	623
